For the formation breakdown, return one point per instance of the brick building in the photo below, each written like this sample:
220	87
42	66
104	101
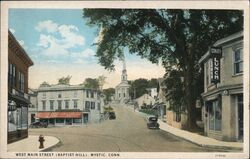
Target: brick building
19	63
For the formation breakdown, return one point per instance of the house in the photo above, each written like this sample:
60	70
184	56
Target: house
18	102
64	104
152	92
223	89
145	100
173	118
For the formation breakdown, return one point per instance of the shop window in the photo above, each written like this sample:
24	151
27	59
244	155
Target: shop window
59	102
87	105
12	120
51	104
238	61
92	105
59	121
24	118
77	120
214	111
44	105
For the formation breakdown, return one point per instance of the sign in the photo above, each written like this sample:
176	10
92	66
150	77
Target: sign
215	53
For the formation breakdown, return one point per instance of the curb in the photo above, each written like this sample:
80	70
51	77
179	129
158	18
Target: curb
225	148
50	147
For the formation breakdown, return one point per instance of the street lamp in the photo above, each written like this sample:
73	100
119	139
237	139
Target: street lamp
11	105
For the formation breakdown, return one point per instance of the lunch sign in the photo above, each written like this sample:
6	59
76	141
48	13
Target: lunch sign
215	55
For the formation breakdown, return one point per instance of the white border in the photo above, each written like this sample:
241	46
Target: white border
244	5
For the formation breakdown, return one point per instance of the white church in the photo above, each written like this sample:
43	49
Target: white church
122	89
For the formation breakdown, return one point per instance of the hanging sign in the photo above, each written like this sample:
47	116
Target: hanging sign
215	55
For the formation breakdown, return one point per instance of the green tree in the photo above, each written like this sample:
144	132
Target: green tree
138	87
91	83
101	81
176	37
44	84
109	92
64	80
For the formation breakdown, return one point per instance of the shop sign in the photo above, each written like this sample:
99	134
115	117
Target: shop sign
215	53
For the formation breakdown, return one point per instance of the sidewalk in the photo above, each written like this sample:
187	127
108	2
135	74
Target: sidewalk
196	138
31	144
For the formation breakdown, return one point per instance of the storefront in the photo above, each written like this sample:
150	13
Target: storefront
17	119
62	118
223	89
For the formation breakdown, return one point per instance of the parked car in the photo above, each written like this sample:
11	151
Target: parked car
38	124
152	122
112	115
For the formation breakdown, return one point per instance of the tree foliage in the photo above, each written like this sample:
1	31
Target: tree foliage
44	84
176	37
139	86
109	92
91	83
64	80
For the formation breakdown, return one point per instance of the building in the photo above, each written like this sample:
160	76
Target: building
33	107
152	92
68	104
175	119
223	89
145	100
18	102
122	89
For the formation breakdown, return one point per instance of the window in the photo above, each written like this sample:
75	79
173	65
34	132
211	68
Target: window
124	94
92	94
75	94
238	61
44	104
75	103
87	94
51	104
208	65
214	111
87	105
99	106
59	102
21	81
59	95
12	75
66	104
92	105
44	95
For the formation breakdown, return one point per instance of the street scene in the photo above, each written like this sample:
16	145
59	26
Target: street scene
125	80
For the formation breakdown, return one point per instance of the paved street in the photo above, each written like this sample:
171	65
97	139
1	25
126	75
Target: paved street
128	133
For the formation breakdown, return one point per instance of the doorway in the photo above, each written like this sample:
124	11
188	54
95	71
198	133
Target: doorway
240	119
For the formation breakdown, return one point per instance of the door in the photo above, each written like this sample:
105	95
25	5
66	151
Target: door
240	116
85	118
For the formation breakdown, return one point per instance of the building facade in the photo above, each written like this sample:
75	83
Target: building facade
223	89
33	107
122	89
145	100
18	102
68	105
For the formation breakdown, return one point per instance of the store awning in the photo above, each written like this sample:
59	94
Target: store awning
48	115
66	115
43	115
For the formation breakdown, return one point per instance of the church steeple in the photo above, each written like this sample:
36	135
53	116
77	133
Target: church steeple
124	71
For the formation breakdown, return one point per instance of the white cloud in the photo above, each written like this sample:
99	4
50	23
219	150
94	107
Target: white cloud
12	30
59	39
47	25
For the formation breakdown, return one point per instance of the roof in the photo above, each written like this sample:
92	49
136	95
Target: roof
16	43
221	42
123	84
62	87
48	115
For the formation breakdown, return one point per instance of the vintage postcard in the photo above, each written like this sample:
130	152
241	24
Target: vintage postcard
124	79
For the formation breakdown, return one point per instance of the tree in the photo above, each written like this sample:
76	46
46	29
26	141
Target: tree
101	80
44	84
109	92
91	83
176	37
64	80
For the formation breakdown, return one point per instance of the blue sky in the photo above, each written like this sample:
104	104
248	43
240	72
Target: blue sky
60	44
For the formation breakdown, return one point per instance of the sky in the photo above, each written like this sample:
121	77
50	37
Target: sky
60	43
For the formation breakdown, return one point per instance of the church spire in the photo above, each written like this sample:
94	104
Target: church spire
124	71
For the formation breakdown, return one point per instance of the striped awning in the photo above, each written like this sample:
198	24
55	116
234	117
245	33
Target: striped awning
48	115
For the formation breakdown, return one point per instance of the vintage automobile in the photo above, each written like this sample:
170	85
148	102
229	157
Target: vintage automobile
38	124
152	122
112	115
